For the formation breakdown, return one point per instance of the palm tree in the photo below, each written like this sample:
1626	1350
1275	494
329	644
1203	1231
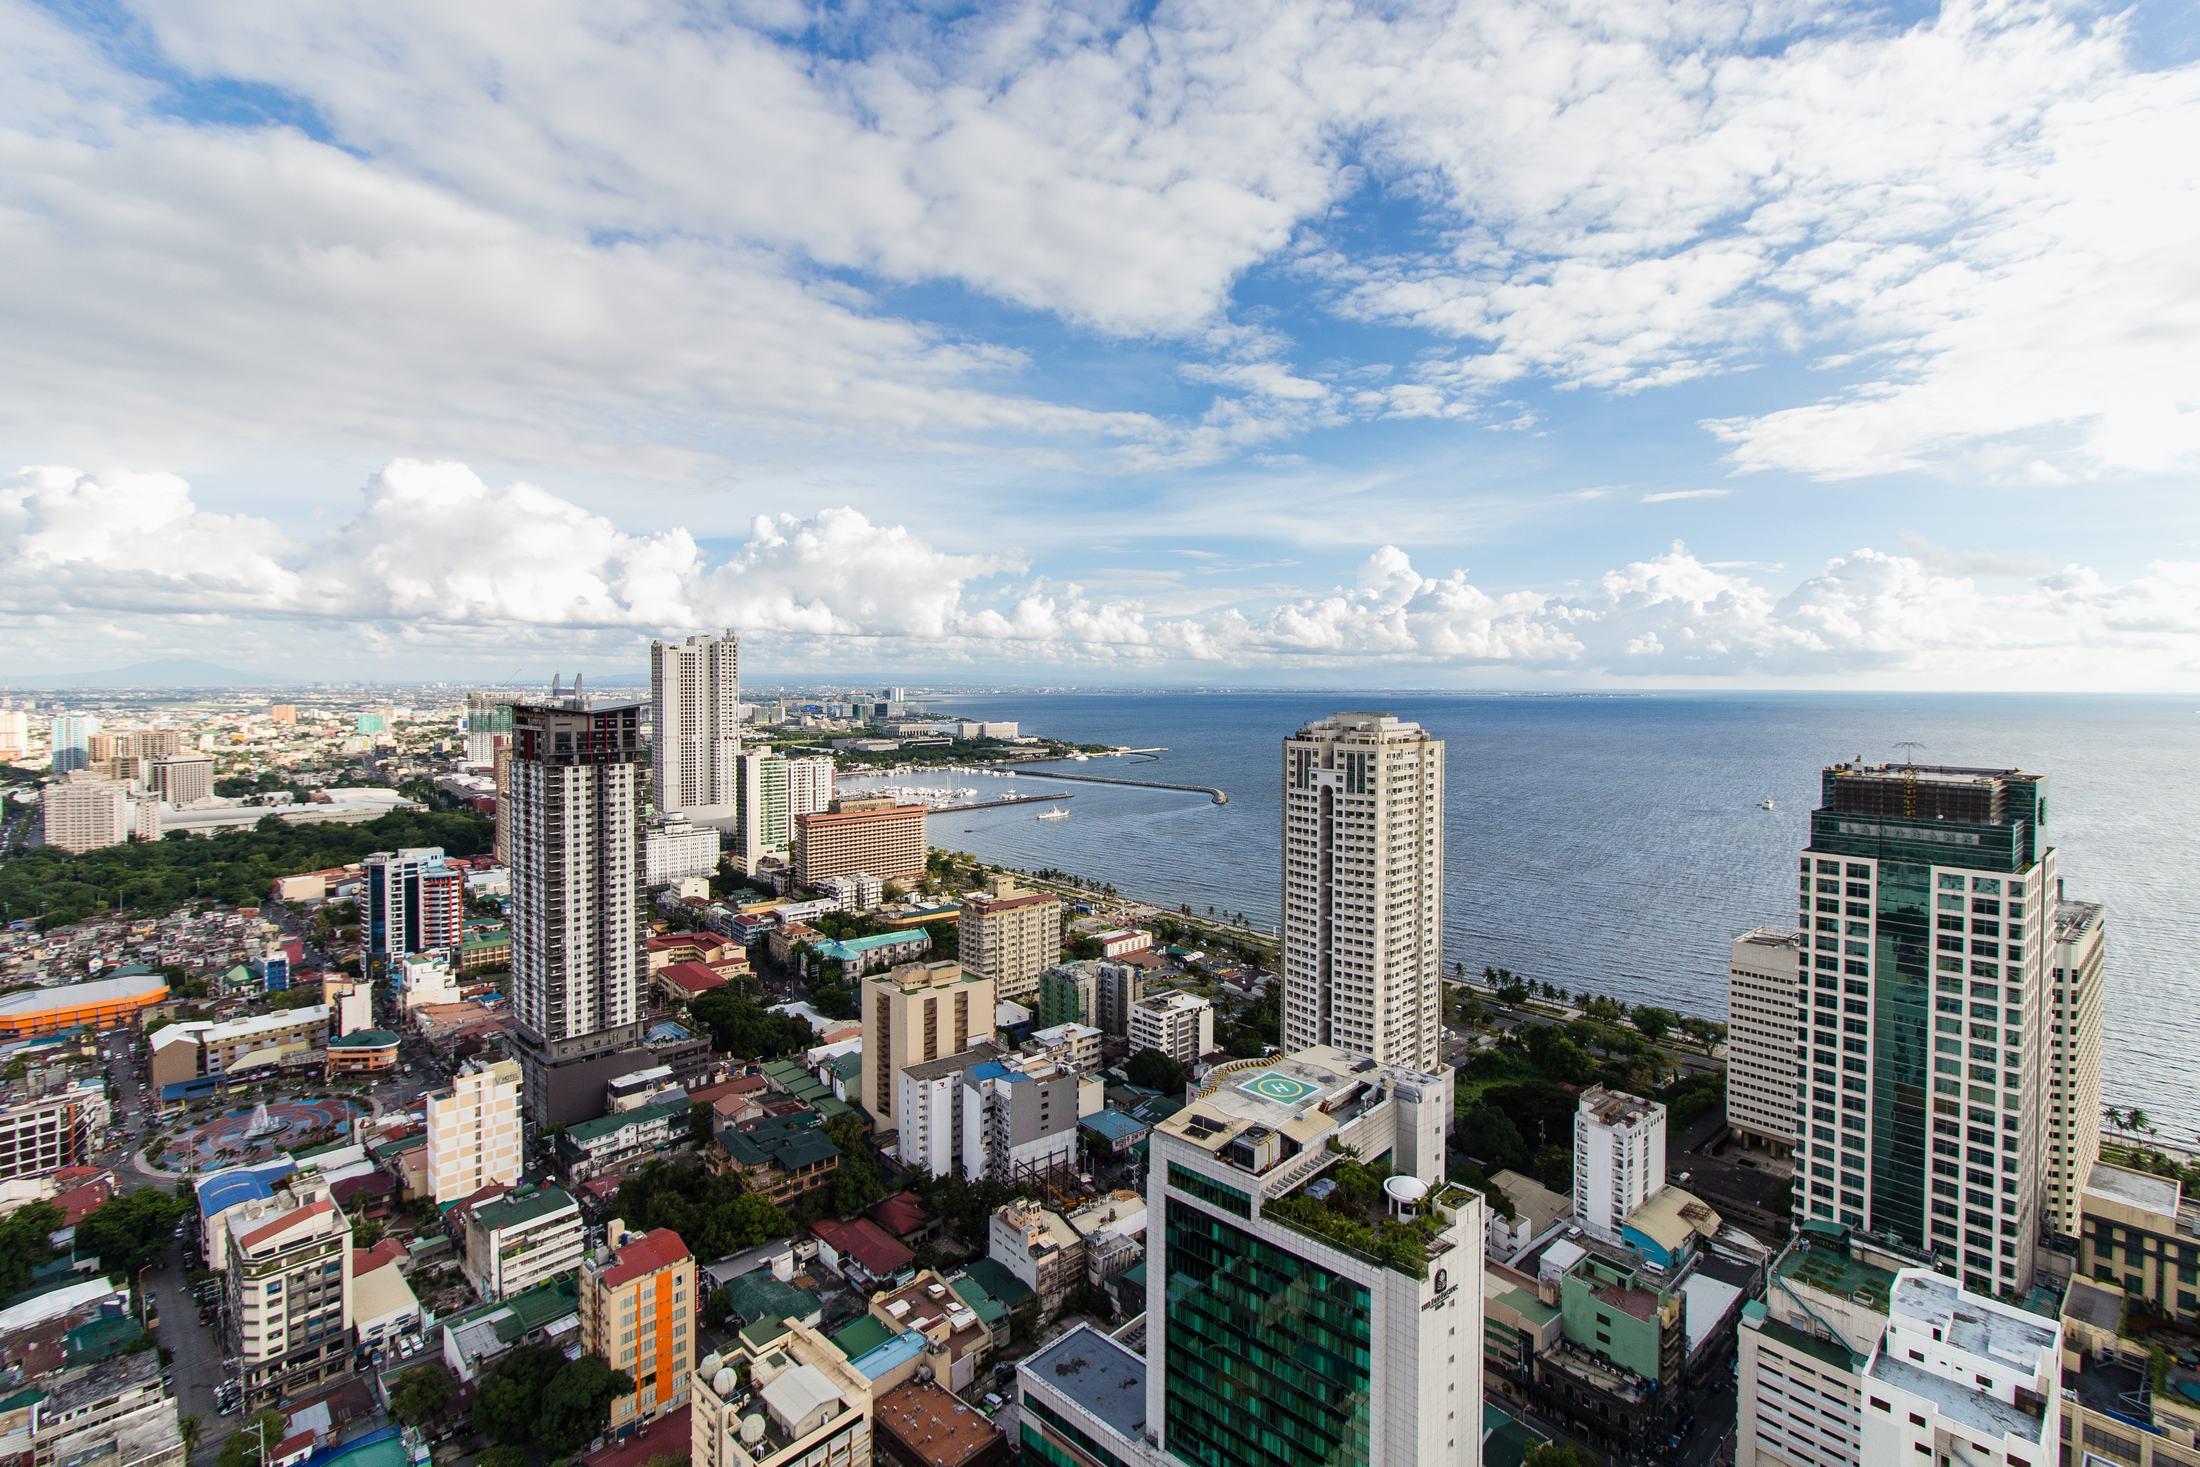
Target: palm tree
2139	1120
190	1429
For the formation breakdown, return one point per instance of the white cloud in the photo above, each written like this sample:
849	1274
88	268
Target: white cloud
1675	496
435	557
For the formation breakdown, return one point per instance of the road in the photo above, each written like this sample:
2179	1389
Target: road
197	1353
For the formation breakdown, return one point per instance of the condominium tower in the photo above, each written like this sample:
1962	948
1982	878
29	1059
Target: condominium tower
1761	1068
1363	888
1011	936
488	718
577	900
410	901
2077	944
474	1130
1928	894
695	723
84	814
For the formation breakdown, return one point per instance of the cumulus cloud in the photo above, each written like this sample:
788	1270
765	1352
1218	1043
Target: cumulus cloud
435	555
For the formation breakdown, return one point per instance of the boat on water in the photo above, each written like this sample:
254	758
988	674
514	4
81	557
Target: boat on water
1765	803
1055	814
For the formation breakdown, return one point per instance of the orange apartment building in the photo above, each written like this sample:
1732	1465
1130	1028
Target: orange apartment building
638	1313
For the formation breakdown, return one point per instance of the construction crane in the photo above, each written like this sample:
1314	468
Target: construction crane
1909	777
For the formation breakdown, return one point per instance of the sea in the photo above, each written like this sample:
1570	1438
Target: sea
1615	843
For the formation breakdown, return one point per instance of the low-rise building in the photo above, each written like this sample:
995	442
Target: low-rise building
784	1397
1038	1246
367	1052
917	1424
591	1148
1072	1046
383	1305
521	1238
779	1158
955	1339
289	1291
2137	1234
1180	1025
112	1413
1959	1377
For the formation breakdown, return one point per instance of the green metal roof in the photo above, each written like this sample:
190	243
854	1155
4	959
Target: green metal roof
860	1337
523	1205
757	1296
1527	1306
618	1121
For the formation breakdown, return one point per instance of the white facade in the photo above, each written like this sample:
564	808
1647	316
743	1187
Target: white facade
86	814
1619	1158
2074	1062
809	784
289	1290
474	1131
1962	1378
677	850
1245	1136
1019	1117
1799	1364
1073	1046
521	1239
695	722
1763	1073
1180	1025
1363	884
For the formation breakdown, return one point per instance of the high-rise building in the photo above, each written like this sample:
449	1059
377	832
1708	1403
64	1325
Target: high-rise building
488	718
763	825
1762	1072
809	784
500	779
71	741
1274	1331
1011	936
577	901
2077	946
410	901
1363	888
1928	893
474	1130
638	1313
289	1291
101	747
15	734
283	715
695	723
43	1133
914	1013
1619	1158
183	779
85	814
677	850
879	836
1959	1377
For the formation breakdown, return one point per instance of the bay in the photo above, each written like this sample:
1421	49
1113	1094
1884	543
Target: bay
1614	842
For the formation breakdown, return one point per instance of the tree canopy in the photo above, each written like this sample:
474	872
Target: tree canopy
24	1246
130	1231
746	1029
711	1213
533	1397
1150	1069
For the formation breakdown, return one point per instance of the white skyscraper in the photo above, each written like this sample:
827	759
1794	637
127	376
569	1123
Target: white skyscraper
84	814
765	826
577	901
809	784
1762	1072
695	717
1363	888
488	718
2077	943
1619	1158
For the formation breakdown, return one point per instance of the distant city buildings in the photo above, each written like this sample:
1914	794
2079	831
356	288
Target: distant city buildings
576	904
182	779
488	719
1363	888
695	724
1011	936
1763	1074
70	741
83	814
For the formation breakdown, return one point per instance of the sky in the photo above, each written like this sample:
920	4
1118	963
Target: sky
1586	343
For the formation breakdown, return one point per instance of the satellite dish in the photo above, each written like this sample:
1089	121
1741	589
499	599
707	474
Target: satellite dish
710	1365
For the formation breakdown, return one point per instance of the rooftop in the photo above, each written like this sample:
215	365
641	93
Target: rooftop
2141	1190
1970	1322
639	1257
524	1205
1958	1401
73	995
1831	1269
933	1425
1099	1374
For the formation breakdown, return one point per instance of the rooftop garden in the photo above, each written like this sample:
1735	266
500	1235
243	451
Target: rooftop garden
1352	1214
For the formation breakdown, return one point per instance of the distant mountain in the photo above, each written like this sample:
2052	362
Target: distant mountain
167	672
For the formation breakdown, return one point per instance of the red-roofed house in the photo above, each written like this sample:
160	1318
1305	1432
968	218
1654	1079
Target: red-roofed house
877	1256
682	982
905	1217
638	1312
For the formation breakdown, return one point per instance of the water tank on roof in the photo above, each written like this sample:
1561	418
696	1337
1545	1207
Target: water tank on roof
752	1429
726	1381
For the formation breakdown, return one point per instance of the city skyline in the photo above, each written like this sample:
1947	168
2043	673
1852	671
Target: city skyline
1854	358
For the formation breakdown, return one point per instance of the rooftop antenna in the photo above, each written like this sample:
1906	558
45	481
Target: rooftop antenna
1914	747
1909	778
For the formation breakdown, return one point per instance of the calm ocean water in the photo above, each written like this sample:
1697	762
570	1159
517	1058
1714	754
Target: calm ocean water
1614	843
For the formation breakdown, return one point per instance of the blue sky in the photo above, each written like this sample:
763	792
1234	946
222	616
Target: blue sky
1522	345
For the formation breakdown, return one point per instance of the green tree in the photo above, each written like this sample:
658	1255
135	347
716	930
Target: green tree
1153	1070
857	1183
1654	1023
746	1029
130	1231
576	1404
244	1445
25	1245
189	1430
1557	1454
1489	1136
423	1394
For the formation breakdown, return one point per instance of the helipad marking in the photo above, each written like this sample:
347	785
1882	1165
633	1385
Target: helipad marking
1279	1087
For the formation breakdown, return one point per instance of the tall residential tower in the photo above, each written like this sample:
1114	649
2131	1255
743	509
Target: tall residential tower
575	789
695	723
1363	889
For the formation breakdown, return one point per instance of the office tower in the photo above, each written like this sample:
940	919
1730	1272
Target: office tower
1011	936
1619	1158
638	1313
762	820
289	1291
1180	1025
1927	892
914	1013
183	779
577	901
2077	945
1363	888
1762	1073
875	835
410	901
1962	1378
809	784
695	723
500	778
488	718
85	814
71	741
473	1130
1287	1322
